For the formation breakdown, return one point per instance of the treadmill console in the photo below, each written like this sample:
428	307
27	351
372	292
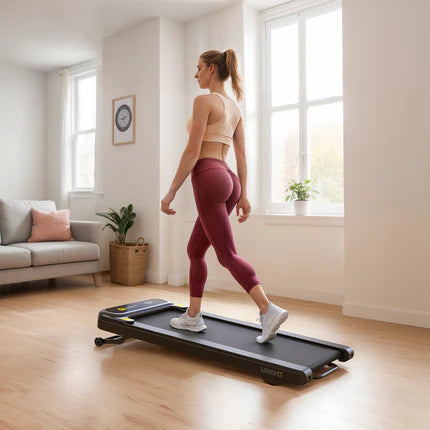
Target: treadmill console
137	307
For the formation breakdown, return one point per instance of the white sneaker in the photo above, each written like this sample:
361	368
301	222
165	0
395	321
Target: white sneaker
271	321
185	322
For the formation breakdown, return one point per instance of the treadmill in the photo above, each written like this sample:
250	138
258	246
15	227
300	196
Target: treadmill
288	358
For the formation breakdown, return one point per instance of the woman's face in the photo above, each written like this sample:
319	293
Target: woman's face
203	74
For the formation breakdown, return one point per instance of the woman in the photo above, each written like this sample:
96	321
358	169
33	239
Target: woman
216	124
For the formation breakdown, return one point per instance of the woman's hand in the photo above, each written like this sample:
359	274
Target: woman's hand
168	198
246	209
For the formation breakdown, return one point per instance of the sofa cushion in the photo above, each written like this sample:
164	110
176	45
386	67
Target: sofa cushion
43	253
49	226
14	258
15	218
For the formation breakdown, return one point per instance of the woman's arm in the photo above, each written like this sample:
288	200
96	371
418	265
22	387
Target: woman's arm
188	160
201	111
239	150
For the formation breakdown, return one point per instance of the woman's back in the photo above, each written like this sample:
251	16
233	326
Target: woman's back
219	135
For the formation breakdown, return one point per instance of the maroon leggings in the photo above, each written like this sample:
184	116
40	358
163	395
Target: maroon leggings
216	192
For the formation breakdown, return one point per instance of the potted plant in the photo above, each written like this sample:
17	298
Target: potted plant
300	195
127	260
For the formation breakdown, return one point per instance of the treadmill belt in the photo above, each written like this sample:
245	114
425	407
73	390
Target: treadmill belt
282	347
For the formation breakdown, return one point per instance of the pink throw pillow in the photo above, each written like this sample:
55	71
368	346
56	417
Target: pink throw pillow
49	226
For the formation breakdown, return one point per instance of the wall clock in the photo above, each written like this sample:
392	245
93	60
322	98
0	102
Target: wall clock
123	120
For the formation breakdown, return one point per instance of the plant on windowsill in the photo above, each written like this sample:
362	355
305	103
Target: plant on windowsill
127	260
300	195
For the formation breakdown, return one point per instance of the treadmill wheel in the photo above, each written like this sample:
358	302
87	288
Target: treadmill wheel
98	341
272	376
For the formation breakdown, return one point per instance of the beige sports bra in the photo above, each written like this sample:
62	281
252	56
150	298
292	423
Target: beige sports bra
222	130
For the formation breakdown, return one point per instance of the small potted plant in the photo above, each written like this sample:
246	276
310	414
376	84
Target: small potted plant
127	260
300	195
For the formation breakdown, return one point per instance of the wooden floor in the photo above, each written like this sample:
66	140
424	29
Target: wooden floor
52	376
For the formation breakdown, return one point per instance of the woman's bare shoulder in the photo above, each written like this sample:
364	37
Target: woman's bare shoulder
202	99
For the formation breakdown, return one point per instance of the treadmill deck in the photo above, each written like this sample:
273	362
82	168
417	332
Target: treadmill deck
243	337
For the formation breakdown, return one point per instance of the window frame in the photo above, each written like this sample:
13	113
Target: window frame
272	18
76	76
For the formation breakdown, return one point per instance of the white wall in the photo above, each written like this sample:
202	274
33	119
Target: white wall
387	158
252	81
130	172
22	125
53	138
173	140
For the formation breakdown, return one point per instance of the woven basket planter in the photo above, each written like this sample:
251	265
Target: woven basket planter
128	262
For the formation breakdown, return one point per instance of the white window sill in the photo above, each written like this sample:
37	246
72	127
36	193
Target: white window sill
85	195
290	219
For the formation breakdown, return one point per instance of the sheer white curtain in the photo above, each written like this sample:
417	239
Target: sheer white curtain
65	139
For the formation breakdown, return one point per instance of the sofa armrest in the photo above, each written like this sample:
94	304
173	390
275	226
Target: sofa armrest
92	231
87	231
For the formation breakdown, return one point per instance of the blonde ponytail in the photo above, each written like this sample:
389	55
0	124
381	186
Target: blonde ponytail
227	66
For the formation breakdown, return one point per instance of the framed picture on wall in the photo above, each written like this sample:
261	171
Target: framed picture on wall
123	120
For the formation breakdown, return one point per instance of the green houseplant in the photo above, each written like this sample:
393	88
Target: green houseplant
127	260
300	195
119	223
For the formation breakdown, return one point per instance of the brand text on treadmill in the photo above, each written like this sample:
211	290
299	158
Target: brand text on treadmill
272	372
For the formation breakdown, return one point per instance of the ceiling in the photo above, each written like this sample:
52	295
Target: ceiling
49	34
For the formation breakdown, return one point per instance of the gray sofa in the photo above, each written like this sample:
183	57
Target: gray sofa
22	261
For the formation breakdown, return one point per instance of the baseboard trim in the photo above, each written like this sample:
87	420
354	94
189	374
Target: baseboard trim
176	279
326	297
387	314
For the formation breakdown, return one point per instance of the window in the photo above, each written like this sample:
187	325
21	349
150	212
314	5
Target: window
84	109
304	106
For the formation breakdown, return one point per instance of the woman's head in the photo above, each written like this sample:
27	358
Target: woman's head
217	65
